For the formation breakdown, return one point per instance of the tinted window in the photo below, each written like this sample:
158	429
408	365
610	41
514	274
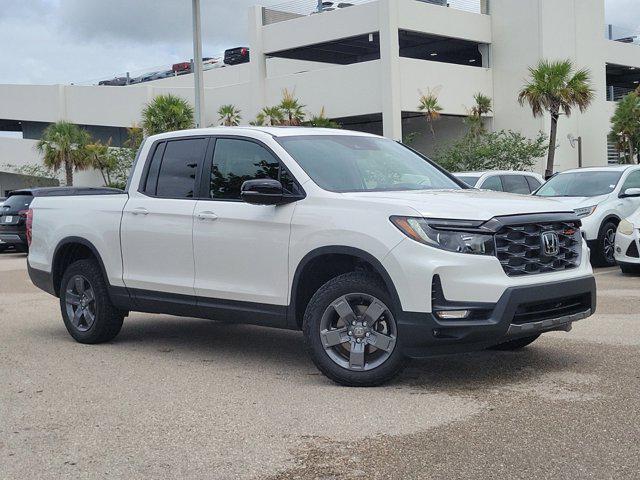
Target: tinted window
492	183
470	180
154	168
632	181
236	161
177	177
515	184
344	163
533	182
581	184
16	203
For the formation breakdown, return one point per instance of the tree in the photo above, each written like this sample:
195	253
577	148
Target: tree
101	159
321	120
503	150
430	107
63	145
292	109
555	87
229	116
167	113
481	108
269	117
625	126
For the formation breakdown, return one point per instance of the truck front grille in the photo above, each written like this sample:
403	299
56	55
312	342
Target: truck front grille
521	251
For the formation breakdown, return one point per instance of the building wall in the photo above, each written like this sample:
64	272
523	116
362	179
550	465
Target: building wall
520	33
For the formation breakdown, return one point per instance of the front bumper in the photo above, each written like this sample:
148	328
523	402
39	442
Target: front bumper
520	312
627	248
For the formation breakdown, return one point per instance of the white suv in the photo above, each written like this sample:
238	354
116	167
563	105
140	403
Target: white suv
376	253
601	197
523	183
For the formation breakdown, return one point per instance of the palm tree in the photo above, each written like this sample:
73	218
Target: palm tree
555	87
321	120
625	125
481	108
430	108
63	145
167	113
229	116
270	117
291	108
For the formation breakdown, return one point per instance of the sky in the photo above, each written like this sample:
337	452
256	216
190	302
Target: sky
82	41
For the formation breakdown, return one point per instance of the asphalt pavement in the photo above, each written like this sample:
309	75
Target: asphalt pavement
194	399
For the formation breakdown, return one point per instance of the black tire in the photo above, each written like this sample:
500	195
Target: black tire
107	319
630	268
515	344
356	284
603	255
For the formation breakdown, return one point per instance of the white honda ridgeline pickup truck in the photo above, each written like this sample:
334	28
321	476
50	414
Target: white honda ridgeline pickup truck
376	253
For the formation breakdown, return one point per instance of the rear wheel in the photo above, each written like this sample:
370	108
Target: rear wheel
351	331
516	344
604	254
87	311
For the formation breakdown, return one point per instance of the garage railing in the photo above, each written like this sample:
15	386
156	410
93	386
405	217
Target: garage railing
302	8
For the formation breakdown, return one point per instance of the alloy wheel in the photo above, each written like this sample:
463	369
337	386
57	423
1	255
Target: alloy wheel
358	332
609	244
80	302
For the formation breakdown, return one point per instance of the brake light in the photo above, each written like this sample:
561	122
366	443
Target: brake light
243	52
29	223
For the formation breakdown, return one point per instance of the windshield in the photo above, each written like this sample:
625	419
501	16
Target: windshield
470	180
580	184
342	163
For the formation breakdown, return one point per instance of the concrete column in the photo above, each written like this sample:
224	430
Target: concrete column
62	102
390	69
258	65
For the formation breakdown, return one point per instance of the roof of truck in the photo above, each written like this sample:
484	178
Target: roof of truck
272	131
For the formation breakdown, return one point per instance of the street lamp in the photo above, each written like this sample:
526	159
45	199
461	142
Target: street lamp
197	65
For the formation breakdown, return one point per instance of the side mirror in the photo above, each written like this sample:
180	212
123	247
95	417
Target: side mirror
263	192
630	192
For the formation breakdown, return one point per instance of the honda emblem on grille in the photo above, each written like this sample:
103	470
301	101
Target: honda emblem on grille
550	244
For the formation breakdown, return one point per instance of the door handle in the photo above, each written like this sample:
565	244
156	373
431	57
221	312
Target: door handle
140	211
207	216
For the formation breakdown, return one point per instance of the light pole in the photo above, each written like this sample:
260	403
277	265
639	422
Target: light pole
197	64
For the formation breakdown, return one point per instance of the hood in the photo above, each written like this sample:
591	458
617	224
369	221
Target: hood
577	202
465	204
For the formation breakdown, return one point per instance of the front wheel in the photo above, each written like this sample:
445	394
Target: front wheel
604	254
87	311
516	344
351	332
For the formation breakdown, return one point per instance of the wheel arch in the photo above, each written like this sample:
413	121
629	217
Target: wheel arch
68	250
299	299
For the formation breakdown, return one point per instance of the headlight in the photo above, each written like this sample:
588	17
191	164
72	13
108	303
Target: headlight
585	211
451	240
625	227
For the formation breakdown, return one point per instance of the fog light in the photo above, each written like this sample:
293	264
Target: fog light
453	314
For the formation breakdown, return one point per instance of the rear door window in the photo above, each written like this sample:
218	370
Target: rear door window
515	184
179	167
